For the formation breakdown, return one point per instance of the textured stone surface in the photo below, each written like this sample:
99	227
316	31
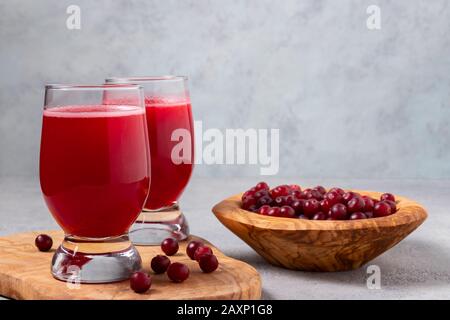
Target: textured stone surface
350	102
417	268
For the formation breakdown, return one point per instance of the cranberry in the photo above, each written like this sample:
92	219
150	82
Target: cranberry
280	201
208	263
308	195
178	272
387	196
298	206
287	212
338	190
392	204
295	187
368	214
368	203
248	193
338	212
279	191
201	251
346	197
320	216
43	242
320	189
289	200
248	201
192	247
382	209
262	186
333	197
160	263
356	204
325	205
140	282
357	216
296	194
311	207
260	194
253	208
264	200
169	246
264	210
316	195
274	212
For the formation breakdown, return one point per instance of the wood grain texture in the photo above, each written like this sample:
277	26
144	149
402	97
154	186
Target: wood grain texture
320	245
25	274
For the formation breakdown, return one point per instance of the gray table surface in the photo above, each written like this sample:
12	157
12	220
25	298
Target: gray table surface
417	268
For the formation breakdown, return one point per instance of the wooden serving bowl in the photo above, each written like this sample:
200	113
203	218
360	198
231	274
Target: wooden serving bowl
320	245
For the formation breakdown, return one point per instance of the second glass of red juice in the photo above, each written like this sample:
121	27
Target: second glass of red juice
171	142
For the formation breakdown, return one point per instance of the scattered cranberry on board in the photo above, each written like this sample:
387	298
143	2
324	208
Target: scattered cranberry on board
169	246
43	242
291	201
140	282
160	264
178	272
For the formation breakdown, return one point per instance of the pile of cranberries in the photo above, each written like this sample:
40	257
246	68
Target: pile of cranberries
290	201
140	281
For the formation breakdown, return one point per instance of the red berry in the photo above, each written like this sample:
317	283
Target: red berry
357	216
169	246
311	207
338	212
264	210
260	194
43	242
140	282
178	272
262	186
296	194
346	197
368	203
316	195
320	216
280	201
201	251
356	204
274	212
295	187
192	247
264	200
387	196
392	204
368	214
320	189
297	206
381	209
248	193
333	197
208	263
160	263
279	191
287	212
248	201
338	190
325	205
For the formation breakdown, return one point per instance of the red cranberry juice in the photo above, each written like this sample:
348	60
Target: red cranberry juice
94	167
168	178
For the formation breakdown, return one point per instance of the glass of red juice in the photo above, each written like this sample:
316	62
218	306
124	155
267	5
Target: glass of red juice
171	141
95	177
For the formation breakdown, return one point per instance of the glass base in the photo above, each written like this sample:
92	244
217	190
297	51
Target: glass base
152	227
86	260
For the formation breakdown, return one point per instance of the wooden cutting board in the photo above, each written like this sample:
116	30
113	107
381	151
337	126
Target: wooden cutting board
25	274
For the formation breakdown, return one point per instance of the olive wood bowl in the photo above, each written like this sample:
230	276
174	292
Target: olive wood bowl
326	245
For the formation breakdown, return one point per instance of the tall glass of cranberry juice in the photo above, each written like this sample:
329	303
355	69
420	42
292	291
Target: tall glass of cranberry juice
171	134
95	177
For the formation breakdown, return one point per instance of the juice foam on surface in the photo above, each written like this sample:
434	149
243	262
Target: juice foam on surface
93	111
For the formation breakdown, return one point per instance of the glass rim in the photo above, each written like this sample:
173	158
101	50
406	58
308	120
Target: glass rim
117	80
86	87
